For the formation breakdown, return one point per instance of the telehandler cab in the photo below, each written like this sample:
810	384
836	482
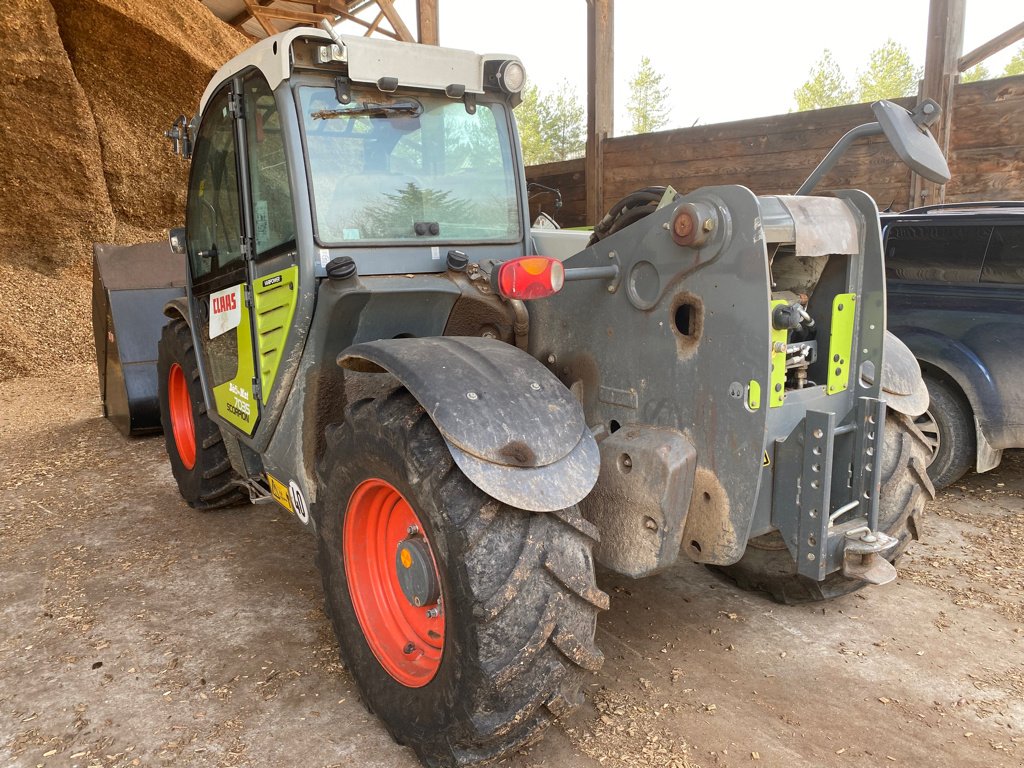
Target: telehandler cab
368	340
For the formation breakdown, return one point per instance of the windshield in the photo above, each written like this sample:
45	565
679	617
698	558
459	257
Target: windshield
399	168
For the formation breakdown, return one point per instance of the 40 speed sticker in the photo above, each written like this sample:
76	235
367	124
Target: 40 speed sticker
298	502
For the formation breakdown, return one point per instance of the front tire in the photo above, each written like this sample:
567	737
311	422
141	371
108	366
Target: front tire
515	595
195	446
949	425
767	565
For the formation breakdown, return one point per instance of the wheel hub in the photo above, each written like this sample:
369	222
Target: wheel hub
394	582
415	570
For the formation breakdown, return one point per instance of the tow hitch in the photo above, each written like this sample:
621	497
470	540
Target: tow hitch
863	556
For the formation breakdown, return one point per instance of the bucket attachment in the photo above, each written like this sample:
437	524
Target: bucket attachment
130	285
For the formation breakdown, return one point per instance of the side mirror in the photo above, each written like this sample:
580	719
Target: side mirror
176	238
905	132
912	142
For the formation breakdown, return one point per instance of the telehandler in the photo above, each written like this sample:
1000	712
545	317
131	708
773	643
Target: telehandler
467	414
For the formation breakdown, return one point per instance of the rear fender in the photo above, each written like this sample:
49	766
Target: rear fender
513	428
176	308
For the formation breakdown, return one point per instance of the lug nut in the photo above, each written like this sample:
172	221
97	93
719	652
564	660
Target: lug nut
433	613
409	648
412	530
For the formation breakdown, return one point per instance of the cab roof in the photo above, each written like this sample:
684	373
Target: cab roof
369	60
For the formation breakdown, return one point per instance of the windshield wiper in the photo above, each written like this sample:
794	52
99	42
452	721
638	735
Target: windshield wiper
406	108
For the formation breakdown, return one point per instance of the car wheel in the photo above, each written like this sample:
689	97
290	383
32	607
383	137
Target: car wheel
948	424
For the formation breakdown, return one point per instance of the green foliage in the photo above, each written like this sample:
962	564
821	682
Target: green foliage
528	119
975	74
551	126
1015	66
826	86
890	74
648	99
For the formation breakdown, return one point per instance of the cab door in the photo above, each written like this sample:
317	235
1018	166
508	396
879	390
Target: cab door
278	319
220	263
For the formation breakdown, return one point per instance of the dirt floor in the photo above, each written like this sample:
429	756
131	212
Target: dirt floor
136	632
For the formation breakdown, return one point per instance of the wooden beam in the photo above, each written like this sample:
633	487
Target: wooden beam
238	20
995	45
600	99
256	11
942	56
396	21
306	17
376	23
426	19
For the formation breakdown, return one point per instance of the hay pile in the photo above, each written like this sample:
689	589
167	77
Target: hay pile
87	91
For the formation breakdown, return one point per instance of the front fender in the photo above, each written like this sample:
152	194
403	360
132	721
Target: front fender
512	427
956	360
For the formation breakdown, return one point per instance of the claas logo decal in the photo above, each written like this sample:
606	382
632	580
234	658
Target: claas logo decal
224	303
225	310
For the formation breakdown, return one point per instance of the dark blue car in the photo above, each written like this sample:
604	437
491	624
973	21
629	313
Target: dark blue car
955	278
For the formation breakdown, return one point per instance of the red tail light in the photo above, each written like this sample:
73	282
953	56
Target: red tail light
530	277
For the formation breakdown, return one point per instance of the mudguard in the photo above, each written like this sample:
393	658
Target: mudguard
177	307
513	428
903	389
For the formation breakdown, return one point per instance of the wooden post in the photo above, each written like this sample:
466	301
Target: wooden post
427	22
600	99
941	71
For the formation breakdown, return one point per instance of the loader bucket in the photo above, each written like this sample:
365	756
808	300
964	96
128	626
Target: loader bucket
130	286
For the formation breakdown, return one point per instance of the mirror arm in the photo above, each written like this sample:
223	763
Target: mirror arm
829	161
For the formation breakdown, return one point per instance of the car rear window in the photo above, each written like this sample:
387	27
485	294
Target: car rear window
1004	262
944	253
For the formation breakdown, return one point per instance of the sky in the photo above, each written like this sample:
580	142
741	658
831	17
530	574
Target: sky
725	60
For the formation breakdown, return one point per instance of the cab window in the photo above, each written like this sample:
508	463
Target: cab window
406	169
213	217
272	213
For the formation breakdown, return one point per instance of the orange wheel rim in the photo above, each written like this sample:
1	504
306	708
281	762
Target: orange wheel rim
182	426
382	535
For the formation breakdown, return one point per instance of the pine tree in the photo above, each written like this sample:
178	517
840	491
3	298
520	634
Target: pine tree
1015	66
551	126
975	74
826	86
890	74
648	99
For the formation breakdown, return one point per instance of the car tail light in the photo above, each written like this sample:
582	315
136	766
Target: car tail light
530	277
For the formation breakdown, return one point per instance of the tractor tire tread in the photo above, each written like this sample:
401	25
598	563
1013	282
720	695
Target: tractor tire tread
533	607
212	481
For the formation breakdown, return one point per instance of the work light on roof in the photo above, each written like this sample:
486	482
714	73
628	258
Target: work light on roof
512	76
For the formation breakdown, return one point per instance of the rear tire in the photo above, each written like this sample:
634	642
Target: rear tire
767	565
949	422
195	446
517	592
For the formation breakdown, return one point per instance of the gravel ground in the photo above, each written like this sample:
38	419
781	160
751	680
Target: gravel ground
136	632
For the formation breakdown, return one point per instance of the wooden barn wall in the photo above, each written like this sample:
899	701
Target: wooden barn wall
986	150
774	155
